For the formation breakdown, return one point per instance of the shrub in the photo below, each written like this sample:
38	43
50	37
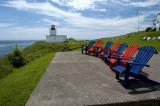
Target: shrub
16	58
149	29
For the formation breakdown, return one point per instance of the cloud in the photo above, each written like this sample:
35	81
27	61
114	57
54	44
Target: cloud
39	7
81	5
145	3
4	25
23	33
73	19
48	21
75	24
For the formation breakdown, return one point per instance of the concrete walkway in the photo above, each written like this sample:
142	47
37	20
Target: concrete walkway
75	79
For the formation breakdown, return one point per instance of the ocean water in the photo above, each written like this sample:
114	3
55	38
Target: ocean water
8	46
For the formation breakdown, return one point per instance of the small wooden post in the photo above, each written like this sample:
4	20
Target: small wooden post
82	49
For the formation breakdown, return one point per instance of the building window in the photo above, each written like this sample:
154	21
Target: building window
53	28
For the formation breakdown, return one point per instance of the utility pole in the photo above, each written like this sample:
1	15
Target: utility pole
138	19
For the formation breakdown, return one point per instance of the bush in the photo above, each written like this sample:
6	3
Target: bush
16	58
149	29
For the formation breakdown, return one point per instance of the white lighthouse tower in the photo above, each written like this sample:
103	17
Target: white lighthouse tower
53	30
53	37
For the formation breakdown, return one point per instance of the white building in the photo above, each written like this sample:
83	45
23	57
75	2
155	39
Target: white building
156	23
53	37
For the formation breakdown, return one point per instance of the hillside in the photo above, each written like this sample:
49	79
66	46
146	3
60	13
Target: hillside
137	38
16	84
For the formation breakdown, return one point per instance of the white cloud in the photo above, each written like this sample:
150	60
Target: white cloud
23	33
81	5
42	8
146	3
76	24
2	25
48	21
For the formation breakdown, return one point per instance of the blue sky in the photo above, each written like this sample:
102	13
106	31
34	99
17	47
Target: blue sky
80	19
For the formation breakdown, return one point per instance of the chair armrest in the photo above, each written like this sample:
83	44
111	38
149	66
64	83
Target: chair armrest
104	50
122	57
112	50
131	63
141	64
116	53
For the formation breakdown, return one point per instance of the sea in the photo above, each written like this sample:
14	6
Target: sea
7	46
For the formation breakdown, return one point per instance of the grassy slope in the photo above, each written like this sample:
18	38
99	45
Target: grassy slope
137	38
16	85
16	88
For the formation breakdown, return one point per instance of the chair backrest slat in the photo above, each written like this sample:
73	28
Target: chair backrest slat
108	44
115	46
143	56
121	48
130	51
91	43
99	43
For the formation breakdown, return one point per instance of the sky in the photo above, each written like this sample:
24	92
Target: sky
79	19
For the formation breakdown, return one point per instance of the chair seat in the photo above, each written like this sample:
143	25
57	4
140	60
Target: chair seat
91	49
98	50
102	53
106	55
119	69
113	61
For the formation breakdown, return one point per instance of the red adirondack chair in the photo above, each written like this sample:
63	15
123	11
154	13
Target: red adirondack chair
114	47
98	46
128	54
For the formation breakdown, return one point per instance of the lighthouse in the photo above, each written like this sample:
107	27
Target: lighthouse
53	30
53	37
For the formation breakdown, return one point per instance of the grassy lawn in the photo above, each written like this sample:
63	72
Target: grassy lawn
137	38
16	87
17	84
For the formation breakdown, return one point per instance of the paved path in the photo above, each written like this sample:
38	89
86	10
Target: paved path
75	79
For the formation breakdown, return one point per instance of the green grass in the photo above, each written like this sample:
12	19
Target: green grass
37	50
17	84
16	87
133	38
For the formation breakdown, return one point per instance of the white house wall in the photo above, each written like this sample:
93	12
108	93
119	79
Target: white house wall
158	23
56	38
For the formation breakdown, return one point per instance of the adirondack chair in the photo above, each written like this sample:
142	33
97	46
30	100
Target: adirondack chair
128	53
114	47
97	47
90	45
105	49
120	49
135	67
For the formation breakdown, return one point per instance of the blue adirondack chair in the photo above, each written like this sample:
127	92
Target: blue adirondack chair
90	44
120	49
105	49
134	67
